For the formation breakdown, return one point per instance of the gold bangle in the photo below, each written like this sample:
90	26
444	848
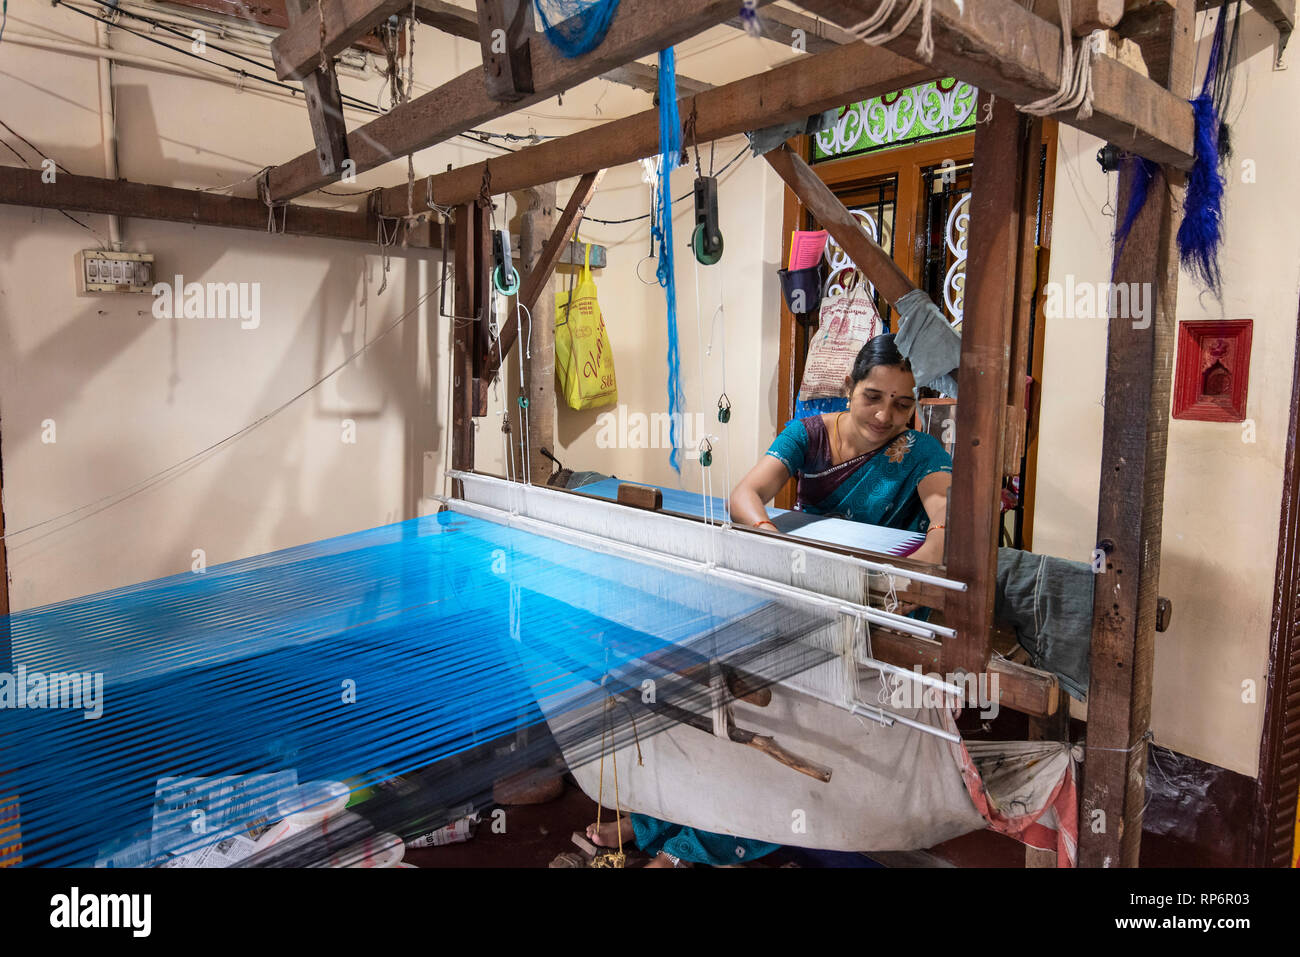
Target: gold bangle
935	528
765	522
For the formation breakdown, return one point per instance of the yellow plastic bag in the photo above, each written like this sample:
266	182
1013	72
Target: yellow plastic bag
584	361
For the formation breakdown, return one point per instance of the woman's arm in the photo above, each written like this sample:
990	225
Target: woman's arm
757	489
933	490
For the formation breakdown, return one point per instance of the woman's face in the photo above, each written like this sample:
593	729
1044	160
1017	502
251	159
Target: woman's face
881	404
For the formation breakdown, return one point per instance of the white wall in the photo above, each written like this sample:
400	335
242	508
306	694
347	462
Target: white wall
1222	495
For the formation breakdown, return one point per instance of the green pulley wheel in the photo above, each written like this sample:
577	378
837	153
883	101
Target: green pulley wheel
523	402
724	409
499	281
699	247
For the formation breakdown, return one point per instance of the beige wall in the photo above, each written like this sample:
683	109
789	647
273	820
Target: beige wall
1222	494
635	316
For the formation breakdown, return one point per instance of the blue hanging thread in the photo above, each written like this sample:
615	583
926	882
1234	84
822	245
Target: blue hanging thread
1142	174
670	149
1201	233
575	27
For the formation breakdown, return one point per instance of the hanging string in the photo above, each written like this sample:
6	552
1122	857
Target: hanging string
1075	89
872	31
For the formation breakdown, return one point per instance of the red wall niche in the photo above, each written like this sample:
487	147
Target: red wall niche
1213	370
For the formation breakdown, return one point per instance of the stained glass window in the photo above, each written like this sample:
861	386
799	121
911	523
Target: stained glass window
924	112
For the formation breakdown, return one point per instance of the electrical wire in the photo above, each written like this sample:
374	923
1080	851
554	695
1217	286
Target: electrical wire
57	165
478	136
680	199
116	498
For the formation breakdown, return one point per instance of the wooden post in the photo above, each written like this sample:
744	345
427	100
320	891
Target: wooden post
463	339
324	105
974	513
537	279
539	367
876	264
504	29
1130	505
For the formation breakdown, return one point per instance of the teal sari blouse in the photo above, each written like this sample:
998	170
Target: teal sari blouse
878	487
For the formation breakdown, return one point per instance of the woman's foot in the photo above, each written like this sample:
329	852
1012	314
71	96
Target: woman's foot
606	835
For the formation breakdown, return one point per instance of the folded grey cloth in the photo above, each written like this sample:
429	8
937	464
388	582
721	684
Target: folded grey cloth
1048	601
928	341
770	137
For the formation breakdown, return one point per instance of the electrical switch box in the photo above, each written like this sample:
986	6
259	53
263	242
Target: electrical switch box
99	271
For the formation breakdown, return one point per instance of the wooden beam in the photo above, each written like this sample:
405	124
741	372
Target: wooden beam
462	396
333	27
1020	687
320	87
1280	13
1130	502
537	277
448	18
1130	507
1022	322
1002	48
92	194
537	222
798	30
462	23
642	76
505	27
876	264
1085	15
638	28
974	512
813	84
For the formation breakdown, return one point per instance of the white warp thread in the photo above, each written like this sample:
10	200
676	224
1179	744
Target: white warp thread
1076	73
871	29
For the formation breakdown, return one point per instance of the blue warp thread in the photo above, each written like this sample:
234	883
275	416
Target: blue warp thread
670	148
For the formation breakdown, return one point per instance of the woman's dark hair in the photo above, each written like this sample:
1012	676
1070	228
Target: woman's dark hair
879	351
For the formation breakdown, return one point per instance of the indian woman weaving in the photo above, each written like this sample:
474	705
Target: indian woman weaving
864	464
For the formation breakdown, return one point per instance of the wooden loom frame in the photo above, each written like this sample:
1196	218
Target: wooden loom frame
1013	56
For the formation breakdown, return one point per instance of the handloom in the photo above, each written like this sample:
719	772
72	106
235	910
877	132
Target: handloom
420	649
394	648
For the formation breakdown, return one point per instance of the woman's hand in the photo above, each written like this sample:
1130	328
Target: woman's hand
756	489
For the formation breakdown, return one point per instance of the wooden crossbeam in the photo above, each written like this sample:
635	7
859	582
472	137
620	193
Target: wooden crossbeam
798	30
93	194
535	282
644	77
306	43
504	29
810	85
638	28
448	18
324	105
462	23
1021	688
1085	15
876	264
1002	48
